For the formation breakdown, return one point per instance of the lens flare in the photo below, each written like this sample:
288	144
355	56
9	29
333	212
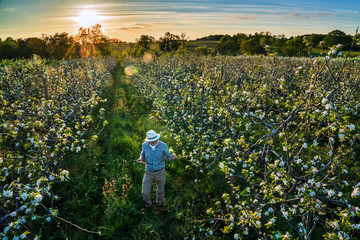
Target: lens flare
148	57
130	70
37	59
85	53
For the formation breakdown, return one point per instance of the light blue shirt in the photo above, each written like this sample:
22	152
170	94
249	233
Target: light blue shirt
155	159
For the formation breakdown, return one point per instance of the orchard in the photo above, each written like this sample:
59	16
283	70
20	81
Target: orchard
268	147
283	133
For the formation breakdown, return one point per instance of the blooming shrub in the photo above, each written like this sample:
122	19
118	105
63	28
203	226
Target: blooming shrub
282	132
45	111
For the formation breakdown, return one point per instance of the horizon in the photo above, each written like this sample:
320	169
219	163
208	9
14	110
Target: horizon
127	21
156	39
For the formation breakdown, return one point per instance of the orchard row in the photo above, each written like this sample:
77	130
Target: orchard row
46	110
284	133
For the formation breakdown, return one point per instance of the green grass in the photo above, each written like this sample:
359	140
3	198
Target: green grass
211	45
317	52
111	158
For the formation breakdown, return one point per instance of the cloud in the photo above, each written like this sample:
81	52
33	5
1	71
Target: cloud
296	15
312	15
134	27
142	26
323	14
164	23
128	28
242	17
8	9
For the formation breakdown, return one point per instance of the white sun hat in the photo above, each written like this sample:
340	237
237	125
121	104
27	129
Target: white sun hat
152	136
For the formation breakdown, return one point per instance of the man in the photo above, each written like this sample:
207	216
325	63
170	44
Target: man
154	153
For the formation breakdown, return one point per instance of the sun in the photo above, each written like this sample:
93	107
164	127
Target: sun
87	18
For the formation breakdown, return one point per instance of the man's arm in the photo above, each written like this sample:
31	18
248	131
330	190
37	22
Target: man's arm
167	154
142	157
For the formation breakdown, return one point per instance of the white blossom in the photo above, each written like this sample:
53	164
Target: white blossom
278	188
7	193
330	193
355	193
24	195
78	149
38	198
328	106
351	127
277	235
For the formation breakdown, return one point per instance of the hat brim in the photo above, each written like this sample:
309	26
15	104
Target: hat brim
153	139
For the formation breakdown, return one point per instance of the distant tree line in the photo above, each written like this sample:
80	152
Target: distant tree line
241	44
168	43
58	46
216	37
88	41
261	43
91	41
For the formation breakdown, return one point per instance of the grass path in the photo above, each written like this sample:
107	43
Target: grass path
129	121
104	192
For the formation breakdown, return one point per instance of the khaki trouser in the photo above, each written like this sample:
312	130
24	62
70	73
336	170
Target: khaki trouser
149	178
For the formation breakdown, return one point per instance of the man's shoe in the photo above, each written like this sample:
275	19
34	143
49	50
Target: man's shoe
160	208
144	209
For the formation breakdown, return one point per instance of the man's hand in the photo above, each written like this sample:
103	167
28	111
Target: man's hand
140	160
173	156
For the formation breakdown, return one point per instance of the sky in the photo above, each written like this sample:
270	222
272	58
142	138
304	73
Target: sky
128	20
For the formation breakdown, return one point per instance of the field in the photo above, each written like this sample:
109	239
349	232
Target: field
267	147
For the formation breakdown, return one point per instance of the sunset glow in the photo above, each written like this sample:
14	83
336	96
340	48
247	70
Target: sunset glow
87	18
128	20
